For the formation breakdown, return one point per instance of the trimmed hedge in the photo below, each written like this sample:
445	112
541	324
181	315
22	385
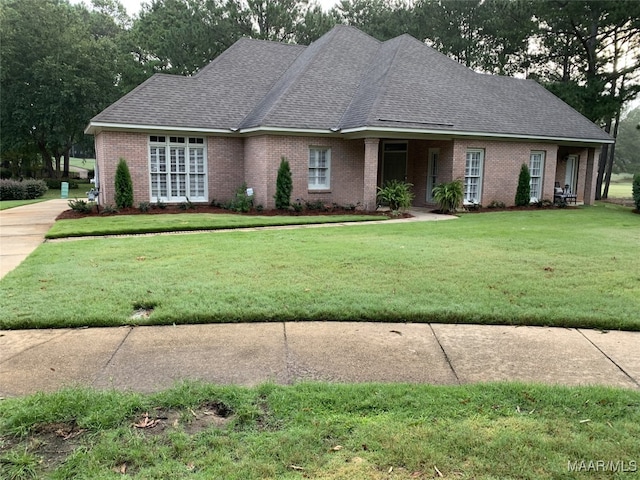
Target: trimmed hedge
635	188
56	183
25	190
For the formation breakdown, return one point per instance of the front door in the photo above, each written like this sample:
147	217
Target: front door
394	161
571	174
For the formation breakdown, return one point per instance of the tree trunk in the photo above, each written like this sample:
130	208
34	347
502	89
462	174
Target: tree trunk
612	150
66	164
46	158
602	163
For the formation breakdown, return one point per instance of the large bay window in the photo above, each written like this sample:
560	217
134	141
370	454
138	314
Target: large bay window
473	176
178	168
536	169
319	168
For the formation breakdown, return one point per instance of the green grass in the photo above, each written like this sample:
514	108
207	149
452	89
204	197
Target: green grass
87	163
561	267
50	194
128	224
311	430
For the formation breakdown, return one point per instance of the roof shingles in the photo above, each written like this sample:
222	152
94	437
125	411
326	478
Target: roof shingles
348	80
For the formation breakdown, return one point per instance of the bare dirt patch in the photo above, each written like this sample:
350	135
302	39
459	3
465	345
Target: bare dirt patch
191	421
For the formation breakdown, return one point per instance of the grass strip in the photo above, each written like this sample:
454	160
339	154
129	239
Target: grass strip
571	268
312	430
159	223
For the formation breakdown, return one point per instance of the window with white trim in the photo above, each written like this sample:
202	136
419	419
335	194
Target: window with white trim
319	168
177	168
536	170
473	176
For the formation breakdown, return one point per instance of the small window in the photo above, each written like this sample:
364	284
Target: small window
319	168
157	139
473	176
536	169
196	140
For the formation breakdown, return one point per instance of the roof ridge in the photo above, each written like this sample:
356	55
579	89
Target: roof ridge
269	105
364	77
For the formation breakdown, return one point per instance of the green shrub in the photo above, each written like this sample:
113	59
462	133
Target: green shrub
56	183
34	188
396	194
315	205
109	210
241	202
123	185
448	196
188	205
144	206
284	185
523	192
496	204
12	190
79	205
160	204
635	189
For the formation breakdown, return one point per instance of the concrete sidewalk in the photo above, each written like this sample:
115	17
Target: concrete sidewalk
148	359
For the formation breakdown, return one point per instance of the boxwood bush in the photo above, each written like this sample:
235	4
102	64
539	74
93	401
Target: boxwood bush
25	190
636	190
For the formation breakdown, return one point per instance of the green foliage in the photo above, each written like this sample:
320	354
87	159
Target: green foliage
523	192
56	183
19	465
80	206
396	194
144	206
449	196
241	202
25	190
187	205
496	204
627	153
284	185
635	189
109	210
160	205
123	185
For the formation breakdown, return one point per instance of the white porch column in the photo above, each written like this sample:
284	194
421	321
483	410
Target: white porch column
370	173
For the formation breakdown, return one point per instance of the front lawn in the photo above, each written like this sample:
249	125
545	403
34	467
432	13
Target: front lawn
561	267
50	194
130	224
324	431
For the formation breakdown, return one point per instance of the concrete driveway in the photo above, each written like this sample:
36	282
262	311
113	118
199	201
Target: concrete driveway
22	229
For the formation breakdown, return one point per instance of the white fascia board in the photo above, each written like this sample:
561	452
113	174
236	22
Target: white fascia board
97	126
456	133
289	131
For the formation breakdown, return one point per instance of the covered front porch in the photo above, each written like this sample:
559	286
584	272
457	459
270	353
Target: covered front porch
489	169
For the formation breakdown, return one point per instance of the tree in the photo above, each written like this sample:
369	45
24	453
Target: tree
627	153
123	185
284	185
595	46
379	18
182	36
275	20
523	192
54	78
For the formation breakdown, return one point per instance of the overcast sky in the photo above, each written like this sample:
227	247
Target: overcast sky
133	6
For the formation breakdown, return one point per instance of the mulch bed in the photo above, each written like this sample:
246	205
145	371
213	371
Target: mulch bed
171	209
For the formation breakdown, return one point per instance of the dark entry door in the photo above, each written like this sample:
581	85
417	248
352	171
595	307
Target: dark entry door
394	161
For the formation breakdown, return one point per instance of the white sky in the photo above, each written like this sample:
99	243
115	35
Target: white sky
133	6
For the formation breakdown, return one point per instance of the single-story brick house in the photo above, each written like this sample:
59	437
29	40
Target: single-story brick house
349	113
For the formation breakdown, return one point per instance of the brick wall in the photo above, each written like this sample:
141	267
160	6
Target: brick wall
502	163
418	163
225	167
133	147
262	159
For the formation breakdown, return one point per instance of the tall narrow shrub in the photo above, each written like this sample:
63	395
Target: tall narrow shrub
523	193
284	185
124	185
635	189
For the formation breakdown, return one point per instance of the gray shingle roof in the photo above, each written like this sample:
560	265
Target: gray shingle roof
348	80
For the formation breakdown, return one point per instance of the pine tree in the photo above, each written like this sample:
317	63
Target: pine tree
124	185
523	193
284	185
